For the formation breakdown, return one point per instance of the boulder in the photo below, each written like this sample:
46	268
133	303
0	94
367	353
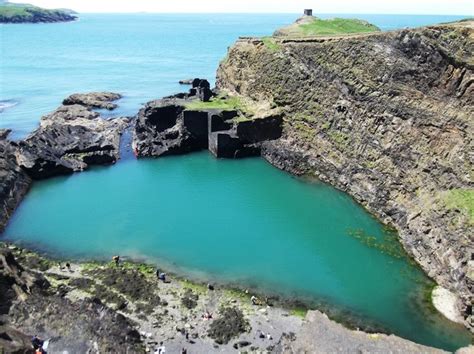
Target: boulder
93	100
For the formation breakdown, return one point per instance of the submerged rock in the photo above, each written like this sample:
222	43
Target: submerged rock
69	140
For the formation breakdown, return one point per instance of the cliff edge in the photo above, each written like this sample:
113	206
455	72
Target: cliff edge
386	117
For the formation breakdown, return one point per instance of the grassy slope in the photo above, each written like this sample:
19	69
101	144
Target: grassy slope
336	26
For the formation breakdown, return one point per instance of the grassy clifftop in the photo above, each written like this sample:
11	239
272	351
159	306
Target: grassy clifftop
25	13
313	26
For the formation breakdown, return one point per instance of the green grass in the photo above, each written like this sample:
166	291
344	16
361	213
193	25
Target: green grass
219	102
337	26
311	27
271	44
299	312
463	200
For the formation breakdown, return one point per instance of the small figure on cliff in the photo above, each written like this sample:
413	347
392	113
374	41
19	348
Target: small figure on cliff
116	259
37	342
162	277
158	272
68	266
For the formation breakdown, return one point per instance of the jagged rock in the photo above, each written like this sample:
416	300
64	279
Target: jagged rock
14	182
68	140
163	127
386	117
201	89
93	100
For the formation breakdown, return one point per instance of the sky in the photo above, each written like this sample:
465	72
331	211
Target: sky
431	7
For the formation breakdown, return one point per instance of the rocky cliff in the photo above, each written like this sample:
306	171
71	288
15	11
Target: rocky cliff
386	117
14	182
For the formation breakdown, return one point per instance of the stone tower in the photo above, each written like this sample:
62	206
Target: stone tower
308	12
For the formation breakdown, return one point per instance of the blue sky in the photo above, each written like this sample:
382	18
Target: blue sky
440	7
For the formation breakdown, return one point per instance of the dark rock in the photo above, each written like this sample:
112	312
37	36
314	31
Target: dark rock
262	129
93	100
241	344
164	127
196	123
69	140
189	299
221	120
14	182
228	145
230	324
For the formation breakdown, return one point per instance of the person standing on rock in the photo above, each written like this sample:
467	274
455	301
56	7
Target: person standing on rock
116	259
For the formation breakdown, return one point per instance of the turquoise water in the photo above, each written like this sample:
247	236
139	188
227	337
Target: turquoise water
142	56
238	221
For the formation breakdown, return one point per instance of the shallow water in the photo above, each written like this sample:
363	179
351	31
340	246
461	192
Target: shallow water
236	221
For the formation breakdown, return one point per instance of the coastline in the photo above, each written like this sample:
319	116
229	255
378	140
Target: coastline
165	312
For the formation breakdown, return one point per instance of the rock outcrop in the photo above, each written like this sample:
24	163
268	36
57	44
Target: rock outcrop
14	182
70	139
167	127
386	117
93	100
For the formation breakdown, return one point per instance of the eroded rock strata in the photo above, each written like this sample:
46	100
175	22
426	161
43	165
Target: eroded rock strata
386	117
71	138
14	182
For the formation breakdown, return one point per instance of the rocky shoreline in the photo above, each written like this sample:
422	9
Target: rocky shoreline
101	307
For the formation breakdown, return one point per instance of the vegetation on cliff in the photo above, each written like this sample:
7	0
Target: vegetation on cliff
385	117
308	26
25	13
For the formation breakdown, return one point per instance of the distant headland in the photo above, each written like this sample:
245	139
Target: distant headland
26	13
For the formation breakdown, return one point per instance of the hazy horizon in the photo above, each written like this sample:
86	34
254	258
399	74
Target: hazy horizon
401	7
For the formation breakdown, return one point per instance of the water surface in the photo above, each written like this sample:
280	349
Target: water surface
238	221
142	56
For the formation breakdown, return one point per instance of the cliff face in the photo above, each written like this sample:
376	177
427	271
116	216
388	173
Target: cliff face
14	182
386	117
